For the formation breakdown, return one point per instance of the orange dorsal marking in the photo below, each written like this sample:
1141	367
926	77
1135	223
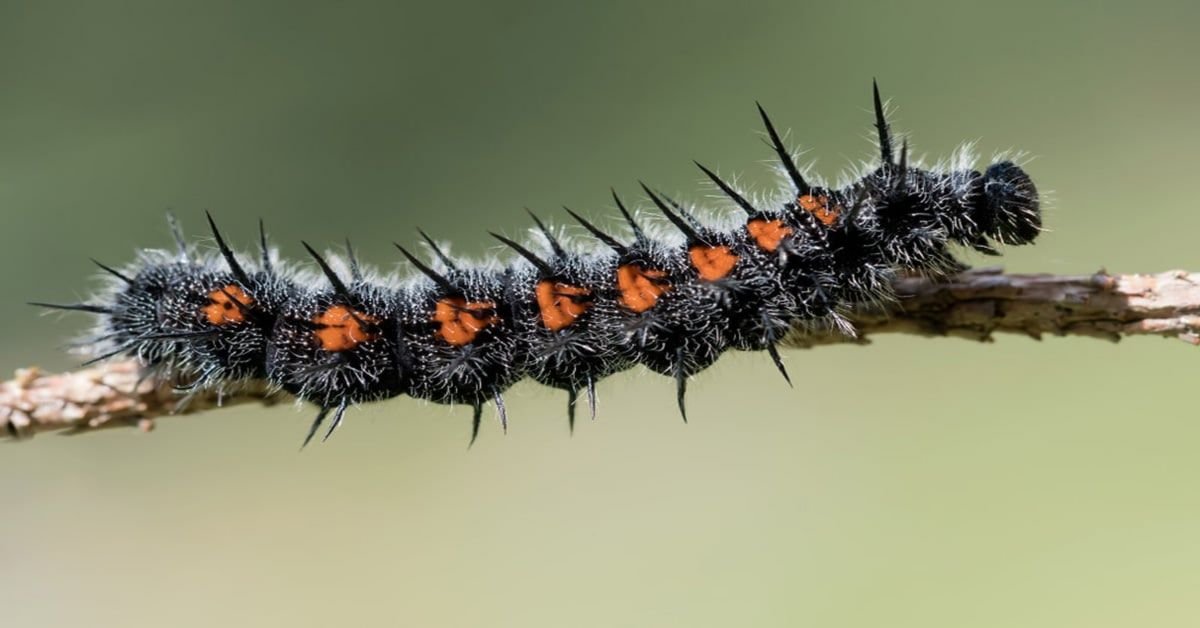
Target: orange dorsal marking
340	328
818	206
221	309
639	287
768	234
460	321
561	304
712	262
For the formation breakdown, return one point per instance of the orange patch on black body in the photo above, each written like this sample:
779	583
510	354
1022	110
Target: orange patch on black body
818	206
768	234
712	262
460	321
561	304
340	328
221	309
640	287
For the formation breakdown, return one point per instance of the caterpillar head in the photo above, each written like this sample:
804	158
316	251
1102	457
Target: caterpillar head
1008	208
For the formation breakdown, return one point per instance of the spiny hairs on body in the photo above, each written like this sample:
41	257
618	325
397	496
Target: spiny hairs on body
563	316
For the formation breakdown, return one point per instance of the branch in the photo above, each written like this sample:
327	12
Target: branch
974	305
979	303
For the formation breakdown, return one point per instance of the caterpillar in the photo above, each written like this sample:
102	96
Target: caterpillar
564	316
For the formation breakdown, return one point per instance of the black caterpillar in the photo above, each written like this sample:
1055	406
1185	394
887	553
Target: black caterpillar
566	318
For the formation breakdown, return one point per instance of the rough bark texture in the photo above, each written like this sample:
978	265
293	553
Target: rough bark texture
974	305
980	303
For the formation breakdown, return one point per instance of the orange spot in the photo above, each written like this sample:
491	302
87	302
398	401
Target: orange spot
221	309
640	287
561	303
712	262
339	328
819	206
768	234
461	321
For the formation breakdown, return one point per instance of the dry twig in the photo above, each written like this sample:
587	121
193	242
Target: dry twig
974	305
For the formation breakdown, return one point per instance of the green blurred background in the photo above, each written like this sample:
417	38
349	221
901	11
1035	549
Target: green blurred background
912	483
